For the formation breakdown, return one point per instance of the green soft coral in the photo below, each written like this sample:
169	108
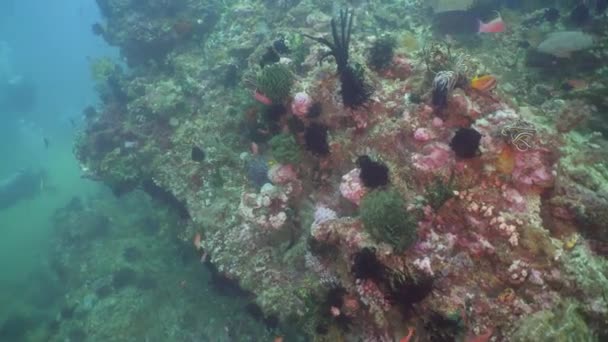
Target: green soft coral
275	81
285	149
164	97
101	69
385	217
564	323
590	274
117	168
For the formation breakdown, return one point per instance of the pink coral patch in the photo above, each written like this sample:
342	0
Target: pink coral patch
301	104
434	157
351	187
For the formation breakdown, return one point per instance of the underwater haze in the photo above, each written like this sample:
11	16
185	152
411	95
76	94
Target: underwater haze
45	80
304	170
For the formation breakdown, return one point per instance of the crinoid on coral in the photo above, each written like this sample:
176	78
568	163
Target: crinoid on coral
367	266
443	84
465	143
274	112
315	110
373	174
315	138
380	54
386	219
269	57
355	90
280	45
331	307
406	289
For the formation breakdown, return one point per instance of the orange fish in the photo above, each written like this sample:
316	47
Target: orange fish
497	25
505	163
577	84
278	339
484	83
410	333
197	241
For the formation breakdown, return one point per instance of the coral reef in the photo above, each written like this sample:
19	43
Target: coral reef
478	211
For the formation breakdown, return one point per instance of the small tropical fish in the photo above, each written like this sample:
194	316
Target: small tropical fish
197	241
483	83
576	84
255	149
505	163
130	144
278	339
46	142
262	98
197	154
571	241
494	26
408	337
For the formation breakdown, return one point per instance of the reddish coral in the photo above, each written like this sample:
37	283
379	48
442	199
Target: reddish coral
532	168
351	187
300	104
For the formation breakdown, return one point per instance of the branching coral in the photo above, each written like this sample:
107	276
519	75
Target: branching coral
381	53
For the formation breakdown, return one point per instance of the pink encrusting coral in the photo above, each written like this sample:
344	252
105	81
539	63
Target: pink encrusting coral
372	296
265	209
433	157
323	214
351	187
533	168
300	105
422	134
282	174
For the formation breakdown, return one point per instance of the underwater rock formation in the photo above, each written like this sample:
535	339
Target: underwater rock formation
493	218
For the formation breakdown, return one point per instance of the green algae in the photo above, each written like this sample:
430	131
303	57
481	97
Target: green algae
275	82
102	69
563	323
386	219
590	273
285	149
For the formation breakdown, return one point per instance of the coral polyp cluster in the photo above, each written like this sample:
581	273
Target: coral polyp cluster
358	205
